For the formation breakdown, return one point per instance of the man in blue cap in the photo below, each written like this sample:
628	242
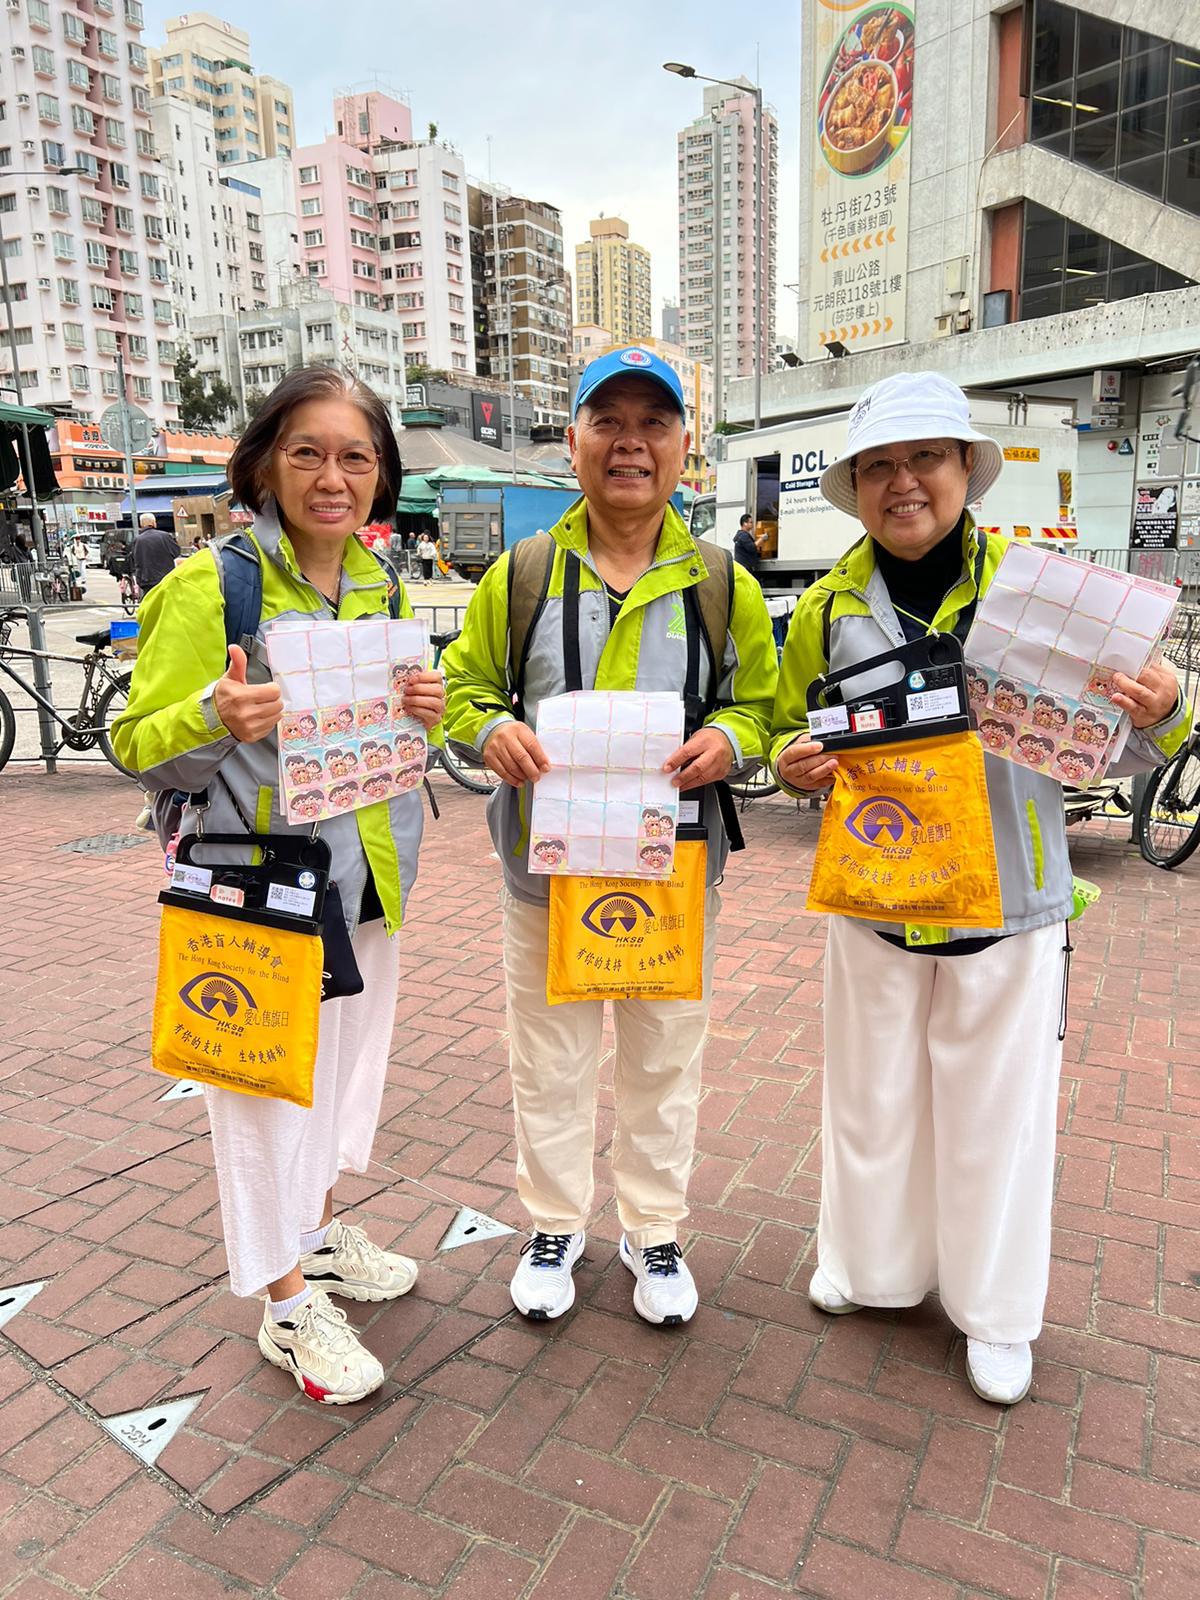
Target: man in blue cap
618	596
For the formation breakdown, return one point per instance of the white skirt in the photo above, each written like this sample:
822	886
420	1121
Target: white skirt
276	1161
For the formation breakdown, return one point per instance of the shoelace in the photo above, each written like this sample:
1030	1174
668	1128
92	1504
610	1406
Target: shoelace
662	1260
321	1318
548	1249
361	1252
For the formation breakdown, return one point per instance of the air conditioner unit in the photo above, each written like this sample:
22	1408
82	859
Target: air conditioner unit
38	238
18	52
52	328
29	146
23	99
34	193
43	283
944	326
56	372
14	5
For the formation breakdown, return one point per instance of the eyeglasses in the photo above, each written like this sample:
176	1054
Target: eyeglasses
353	459
922	463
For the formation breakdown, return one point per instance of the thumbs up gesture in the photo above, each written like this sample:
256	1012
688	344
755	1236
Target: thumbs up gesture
248	710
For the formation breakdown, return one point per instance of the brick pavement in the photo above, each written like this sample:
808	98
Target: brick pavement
763	1450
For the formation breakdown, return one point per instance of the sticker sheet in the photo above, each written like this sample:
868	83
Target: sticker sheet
606	807
344	741
1048	638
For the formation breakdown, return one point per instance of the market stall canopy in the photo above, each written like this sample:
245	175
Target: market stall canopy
26	414
157	493
419	492
13	419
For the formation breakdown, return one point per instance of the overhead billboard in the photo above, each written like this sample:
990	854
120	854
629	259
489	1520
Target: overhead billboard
862	108
487	425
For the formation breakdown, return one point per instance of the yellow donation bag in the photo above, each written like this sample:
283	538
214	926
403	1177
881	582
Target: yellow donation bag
237	1002
907	836
629	938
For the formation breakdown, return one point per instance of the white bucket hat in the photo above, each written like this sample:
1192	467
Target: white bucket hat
910	405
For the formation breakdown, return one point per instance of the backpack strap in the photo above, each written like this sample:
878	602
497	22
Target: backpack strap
715	599
241	588
392	573
530	566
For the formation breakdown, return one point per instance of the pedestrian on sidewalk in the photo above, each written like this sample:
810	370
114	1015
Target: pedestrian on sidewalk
622	611
155	552
747	546
942	1046
427	553
317	462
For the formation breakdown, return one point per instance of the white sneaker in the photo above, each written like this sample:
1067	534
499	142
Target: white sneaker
665	1291
1001	1373
542	1286
321	1352
350	1265
826	1298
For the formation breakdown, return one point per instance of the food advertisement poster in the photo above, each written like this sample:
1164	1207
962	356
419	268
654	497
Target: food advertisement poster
863	106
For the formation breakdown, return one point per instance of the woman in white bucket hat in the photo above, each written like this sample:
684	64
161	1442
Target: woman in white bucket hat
942	1047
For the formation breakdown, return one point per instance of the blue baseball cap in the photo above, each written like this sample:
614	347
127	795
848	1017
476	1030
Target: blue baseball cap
632	362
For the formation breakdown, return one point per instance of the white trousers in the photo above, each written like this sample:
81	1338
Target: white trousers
276	1161
938	1123
554	1052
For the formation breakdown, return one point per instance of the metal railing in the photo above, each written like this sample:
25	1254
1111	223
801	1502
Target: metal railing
442	618
1180	567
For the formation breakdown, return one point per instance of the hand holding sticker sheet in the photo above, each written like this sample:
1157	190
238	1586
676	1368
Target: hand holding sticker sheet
1047	640
606	807
344	740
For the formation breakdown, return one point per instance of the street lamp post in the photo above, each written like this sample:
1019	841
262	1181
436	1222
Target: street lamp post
681	70
35	516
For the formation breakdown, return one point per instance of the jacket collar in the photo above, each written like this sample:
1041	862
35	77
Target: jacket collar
674	541
360	569
857	567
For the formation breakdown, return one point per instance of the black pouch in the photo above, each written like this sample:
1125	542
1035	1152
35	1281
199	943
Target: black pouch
340	976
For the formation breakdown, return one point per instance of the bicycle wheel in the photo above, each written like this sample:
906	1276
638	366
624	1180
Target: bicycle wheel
112	700
470	774
129	603
756	785
1169	823
8	729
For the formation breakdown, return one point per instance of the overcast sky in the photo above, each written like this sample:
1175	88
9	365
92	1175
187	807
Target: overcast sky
579	110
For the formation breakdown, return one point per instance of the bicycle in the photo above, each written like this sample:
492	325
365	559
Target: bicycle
131	595
471	775
105	692
1169	819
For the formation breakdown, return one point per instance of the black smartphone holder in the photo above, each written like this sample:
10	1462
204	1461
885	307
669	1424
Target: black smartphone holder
928	697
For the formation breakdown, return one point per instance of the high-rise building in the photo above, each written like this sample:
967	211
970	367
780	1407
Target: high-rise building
522	286
612	281
1051	251
85	251
227	245
382	220
718	255
208	61
670	323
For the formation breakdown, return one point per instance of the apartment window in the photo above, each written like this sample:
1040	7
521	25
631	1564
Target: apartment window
454	243
1118	101
363	269
362	240
16	293
48	110
452	212
134	306
140	97
59	201
311	207
137	57
68	292
107	43
22	336
154	227
78	75
39	13
359	176
258	280
170	390
144	142
149	185
108	382
97	254
403	180
454	273
407	241
114	131
256	252
369	302
450	182
110	87
79	379
458	331
360	208
88	162
413	301
130	265
458	360
314	238
413	330
72	333
64	246
43	61
106	341
316	269
91	210
73	28
310	174
134	15
141	387
409	269
118	173
166	352
162	310
138	346
319	331
53	153
253	222
158	270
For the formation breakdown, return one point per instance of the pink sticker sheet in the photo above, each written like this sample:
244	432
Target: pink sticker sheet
1048	638
344	740
606	808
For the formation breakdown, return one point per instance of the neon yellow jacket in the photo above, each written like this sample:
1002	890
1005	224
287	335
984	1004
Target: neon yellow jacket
645	649
171	735
852	605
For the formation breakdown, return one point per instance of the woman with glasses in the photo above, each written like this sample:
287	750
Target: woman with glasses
942	1046
317	463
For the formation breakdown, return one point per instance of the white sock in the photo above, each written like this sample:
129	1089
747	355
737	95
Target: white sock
281	1310
314	1240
